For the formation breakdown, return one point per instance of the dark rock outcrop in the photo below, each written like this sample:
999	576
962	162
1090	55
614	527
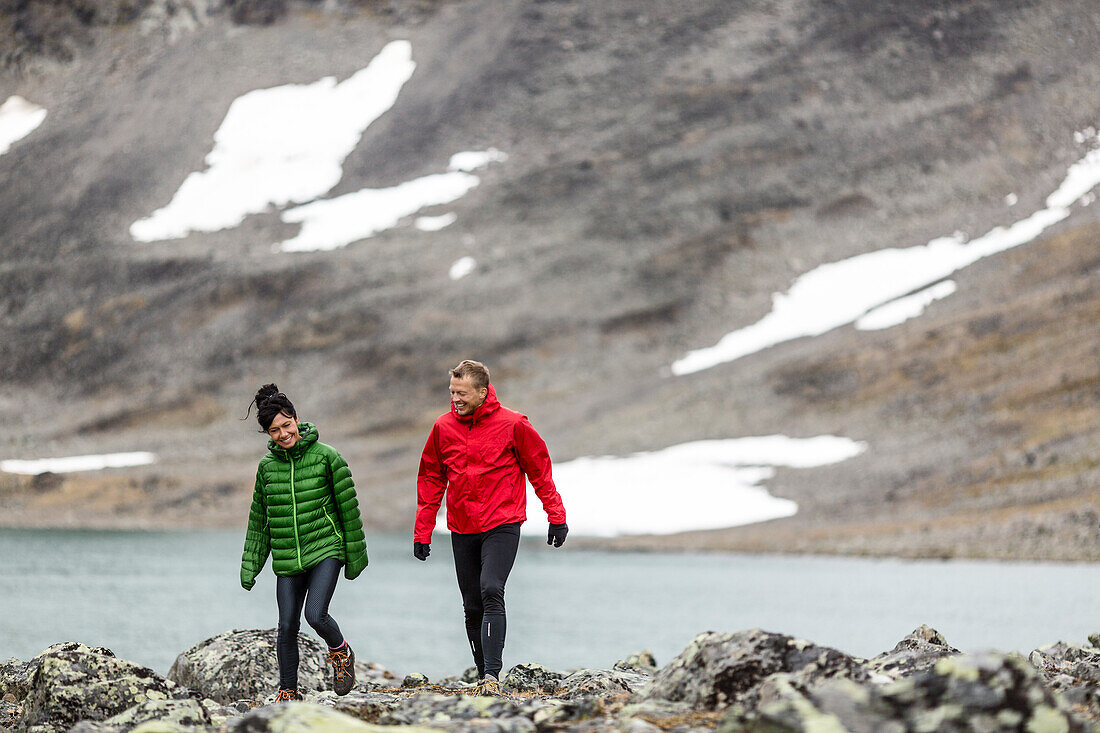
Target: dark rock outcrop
717	670
241	665
748	681
73	682
918	651
986	692
1074	671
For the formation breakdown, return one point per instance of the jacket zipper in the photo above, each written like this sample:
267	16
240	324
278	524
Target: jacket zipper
294	511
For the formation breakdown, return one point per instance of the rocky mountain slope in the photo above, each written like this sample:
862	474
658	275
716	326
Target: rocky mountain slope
670	167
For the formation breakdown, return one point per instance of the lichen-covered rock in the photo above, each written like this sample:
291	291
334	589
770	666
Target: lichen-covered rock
415	679
10	712
241	665
15	678
452	712
532	678
366	706
74	683
918	651
601	683
1074	671
988	692
717	670
1094	639
642	661
183	713
303	716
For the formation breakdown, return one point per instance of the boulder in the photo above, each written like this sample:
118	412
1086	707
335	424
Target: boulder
642	661
302	716
466	714
1094	639
415	679
532	678
600	683
366	706
918	651
1074	671
15	678
182	713
73	683
717	670
987	692
242	665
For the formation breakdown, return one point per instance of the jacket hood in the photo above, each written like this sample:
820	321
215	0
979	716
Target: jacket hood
309	434
488	407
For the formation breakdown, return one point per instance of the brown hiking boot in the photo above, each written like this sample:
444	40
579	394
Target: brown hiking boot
489	686
288	695
343	668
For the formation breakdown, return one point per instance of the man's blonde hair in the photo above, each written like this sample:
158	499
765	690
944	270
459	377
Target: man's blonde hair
475	370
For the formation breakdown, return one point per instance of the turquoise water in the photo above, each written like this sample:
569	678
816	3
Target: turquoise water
150	595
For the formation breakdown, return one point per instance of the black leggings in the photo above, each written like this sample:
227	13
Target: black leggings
314	588
482	563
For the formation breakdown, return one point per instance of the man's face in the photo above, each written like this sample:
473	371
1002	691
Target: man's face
465	397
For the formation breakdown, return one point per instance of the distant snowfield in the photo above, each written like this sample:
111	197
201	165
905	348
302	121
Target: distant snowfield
279	146
71	464
882	289
706	484
18	118
287	145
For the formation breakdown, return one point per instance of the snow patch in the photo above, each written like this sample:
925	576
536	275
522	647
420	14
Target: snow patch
334	223
903	309
279	146
71	464
18	118
839	293
462	267
706	484
435	223
471	160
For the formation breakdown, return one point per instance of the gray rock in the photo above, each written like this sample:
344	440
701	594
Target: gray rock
601	683
303	716
532	678
181	713
989	692
1073	671
10	712
415	680
366	706
918	651
454	712
241	665
15	678
717	670
1094	639
642	661
73	683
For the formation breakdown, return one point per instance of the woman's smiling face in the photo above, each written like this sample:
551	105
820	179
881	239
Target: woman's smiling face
284	431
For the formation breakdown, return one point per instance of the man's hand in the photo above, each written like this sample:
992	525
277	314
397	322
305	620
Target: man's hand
421	550
556	534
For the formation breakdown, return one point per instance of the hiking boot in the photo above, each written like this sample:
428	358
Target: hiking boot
288	695
343	668
489	686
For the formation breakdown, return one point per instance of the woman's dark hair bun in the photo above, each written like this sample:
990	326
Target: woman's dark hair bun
270	403
266	392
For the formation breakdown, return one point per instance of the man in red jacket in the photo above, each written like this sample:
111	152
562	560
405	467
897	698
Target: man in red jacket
479	454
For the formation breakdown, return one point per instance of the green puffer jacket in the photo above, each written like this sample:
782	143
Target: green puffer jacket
304	510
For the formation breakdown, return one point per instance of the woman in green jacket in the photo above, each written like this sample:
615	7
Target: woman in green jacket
306	516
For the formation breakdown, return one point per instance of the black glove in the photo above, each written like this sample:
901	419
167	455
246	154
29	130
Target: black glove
421	550
556	534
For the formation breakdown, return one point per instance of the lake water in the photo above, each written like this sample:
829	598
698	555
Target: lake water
150	595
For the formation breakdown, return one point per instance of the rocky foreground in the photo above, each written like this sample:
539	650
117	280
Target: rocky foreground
745	681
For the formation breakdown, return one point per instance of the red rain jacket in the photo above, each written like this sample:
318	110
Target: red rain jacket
479	461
